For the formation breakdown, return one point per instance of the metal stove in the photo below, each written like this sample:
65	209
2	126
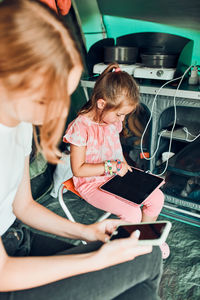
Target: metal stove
100	67
138	70
154	73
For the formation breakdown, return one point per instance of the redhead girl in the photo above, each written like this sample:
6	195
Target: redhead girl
39	69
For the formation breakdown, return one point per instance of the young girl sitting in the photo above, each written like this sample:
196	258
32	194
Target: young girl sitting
96	152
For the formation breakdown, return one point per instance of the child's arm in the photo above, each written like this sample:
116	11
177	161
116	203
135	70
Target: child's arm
78	165
82	169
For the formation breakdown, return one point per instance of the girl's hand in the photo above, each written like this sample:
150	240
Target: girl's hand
119	251
100	231
125	168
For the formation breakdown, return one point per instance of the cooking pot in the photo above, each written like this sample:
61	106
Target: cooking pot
120	54
159	60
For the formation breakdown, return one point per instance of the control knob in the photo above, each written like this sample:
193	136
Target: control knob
159	73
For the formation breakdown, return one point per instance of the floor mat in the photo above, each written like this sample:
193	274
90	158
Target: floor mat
181	270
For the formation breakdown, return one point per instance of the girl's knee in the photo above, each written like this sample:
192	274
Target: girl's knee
133	215
157	198
160	197
153	206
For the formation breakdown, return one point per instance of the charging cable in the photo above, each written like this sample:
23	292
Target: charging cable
174	123
144	132
190	134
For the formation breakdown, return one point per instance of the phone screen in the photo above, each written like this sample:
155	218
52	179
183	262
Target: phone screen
147	231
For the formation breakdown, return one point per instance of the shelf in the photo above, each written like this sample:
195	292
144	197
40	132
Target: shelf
187	94
179	135
174	213
183	203
147	87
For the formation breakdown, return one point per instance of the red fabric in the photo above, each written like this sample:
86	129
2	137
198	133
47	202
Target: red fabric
69	185
64	5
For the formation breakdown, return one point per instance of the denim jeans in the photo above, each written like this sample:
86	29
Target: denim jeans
136	279
19	240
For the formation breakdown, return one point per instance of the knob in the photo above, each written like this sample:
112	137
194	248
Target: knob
159	73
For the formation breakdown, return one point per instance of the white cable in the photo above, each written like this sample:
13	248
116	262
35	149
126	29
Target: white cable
175	117
187	135
142	137
171	135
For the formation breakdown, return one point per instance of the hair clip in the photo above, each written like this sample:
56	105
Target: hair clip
117	70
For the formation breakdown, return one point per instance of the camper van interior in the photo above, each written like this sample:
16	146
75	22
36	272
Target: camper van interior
158	44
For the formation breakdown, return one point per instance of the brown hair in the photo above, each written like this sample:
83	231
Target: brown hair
116	88
35	42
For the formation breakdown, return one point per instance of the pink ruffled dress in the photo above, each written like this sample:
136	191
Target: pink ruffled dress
102	143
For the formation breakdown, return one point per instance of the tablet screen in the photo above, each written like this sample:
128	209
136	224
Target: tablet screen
135	186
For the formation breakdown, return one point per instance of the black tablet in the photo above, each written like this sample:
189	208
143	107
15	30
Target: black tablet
135	186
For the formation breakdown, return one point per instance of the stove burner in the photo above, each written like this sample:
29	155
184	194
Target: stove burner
129	68
140	71
154	73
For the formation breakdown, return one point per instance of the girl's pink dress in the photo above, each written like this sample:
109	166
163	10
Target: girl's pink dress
102	143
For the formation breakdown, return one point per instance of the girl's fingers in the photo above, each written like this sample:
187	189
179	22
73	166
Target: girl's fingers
130	169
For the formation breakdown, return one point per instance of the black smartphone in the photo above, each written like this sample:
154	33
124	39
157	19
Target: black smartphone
154	233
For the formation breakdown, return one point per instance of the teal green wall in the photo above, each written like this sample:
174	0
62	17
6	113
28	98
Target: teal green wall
116	27
94	29
91	21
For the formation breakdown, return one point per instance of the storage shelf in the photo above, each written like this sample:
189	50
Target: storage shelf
184	203
181	135
186	92
178	135
172	213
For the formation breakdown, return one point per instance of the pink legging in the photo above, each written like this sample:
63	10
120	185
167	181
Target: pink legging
125	210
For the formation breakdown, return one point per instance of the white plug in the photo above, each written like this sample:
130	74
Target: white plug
194	78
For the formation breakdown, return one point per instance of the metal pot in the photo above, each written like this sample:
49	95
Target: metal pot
159	60
120	54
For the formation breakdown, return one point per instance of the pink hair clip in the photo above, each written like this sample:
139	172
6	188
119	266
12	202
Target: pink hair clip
117	70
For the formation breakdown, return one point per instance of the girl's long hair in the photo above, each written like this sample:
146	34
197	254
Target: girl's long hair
116	88
34	42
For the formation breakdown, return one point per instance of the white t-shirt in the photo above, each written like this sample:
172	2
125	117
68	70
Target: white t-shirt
15	145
